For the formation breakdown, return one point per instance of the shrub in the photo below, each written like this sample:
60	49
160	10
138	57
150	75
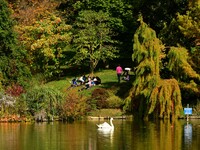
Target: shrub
14	90
21	107
74	106
100	96
43	98
114	101
7	104
92	104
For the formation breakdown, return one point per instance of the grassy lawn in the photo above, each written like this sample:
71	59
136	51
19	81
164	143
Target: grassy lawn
108	79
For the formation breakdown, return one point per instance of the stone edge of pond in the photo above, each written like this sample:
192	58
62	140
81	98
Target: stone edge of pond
194	117
125	117
108	117
190	117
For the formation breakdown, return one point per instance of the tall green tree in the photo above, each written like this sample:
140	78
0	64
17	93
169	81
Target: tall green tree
184	60
12	56
151	94
121	20
93	39
183	29
189	25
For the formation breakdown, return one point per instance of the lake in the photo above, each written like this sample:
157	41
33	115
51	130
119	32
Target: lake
84	135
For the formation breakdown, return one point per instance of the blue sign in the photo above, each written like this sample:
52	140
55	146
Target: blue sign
187	111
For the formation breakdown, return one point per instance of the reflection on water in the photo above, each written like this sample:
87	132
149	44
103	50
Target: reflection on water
84	135
106	132
188	135
106	135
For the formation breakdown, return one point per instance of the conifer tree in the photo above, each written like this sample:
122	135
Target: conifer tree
151	94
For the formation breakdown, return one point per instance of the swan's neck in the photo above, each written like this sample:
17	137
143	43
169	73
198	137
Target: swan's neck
111	124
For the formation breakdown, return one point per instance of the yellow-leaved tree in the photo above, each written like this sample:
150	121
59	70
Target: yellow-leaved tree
46	41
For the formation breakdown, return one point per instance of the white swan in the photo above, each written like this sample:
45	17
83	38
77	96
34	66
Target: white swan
105	125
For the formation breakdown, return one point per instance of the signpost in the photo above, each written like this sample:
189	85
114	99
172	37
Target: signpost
188	111
188	127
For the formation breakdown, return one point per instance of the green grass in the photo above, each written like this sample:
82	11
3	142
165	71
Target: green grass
108	79
107	76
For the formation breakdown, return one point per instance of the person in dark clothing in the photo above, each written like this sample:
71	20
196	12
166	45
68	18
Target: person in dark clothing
97	80
73	83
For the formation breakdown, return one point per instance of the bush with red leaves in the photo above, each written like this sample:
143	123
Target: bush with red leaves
101	96
15	90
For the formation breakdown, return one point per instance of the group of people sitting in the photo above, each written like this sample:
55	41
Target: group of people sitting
86	82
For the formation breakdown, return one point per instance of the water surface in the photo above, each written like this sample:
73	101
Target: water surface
84	135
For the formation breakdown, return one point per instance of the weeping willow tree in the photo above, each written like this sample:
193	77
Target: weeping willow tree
150	94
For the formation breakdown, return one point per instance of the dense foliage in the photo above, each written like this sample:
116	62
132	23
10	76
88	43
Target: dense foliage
151	94
48	37
74	106
46	41
42	101
93	39
12	66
